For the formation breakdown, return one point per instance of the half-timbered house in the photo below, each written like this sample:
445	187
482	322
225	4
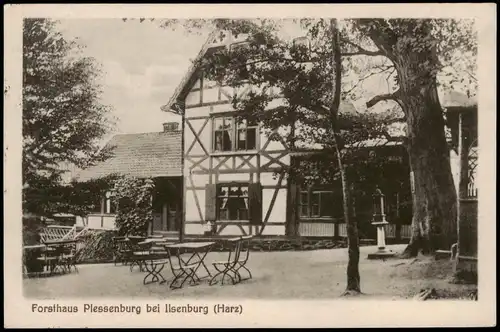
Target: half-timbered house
234	179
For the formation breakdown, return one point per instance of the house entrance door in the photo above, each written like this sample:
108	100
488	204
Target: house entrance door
171	218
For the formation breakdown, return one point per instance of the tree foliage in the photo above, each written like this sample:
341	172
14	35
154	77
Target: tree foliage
292	89
63	115
46	197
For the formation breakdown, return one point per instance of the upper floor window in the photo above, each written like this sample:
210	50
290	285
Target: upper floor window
230	134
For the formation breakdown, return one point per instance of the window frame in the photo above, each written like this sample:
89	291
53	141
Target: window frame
234	133
309	192
228	185
108	206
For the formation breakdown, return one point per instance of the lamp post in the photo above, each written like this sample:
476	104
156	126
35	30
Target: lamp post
379	221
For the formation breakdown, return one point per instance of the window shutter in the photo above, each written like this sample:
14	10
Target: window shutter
255	202
210	202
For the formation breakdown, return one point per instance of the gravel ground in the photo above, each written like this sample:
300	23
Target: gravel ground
316	274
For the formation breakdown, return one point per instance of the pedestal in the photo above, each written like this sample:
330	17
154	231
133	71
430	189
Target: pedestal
382	252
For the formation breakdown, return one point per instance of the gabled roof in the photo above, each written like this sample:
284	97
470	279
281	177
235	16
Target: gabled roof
140	155
189	77
213	43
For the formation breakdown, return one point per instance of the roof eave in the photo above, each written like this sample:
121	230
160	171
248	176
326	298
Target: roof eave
172	105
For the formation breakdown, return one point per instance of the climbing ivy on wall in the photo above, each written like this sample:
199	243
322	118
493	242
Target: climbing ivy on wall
134	198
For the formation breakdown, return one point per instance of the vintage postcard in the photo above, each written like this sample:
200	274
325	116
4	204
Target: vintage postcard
249	165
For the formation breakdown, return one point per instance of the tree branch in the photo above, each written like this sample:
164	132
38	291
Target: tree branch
471	76
368	76
396	120
391	138
389	96
360	50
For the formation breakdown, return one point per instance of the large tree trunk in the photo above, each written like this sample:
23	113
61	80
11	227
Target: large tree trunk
416	61
434	195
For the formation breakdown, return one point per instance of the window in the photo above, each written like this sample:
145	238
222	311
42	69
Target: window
104	203
319	204
223	134
232	202
230	134
110	204
97	204
247	135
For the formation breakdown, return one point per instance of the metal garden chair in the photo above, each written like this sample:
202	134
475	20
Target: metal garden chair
181	269
244	254
228	267
68	256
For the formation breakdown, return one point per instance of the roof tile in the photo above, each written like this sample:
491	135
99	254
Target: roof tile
140	155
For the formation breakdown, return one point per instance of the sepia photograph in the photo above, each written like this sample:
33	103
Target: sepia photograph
285	158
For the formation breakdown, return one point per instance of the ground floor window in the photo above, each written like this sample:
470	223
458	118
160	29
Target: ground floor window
106	203
111	204
232	202
319	203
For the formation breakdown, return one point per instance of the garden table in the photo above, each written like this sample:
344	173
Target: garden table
30	257
153	241
188	268
58	242
34	246
54	256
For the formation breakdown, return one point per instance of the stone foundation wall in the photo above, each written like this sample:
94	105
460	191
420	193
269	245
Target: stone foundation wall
262	244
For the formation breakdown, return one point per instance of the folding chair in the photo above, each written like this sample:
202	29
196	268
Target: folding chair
122	250
153	261
51	259
228	266
181	269
243	257
68	257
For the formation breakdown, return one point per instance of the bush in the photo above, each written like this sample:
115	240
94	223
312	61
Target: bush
98	248
32	226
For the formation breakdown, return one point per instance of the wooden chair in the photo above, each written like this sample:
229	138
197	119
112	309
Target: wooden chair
228	267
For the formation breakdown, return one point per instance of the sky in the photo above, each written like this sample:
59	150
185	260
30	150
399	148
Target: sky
142	65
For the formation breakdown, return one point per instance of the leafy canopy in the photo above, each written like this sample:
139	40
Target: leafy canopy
63	115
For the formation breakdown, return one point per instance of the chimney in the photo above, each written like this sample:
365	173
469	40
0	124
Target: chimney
170	127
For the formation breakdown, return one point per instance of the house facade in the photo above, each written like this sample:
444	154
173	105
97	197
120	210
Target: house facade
234	173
